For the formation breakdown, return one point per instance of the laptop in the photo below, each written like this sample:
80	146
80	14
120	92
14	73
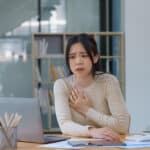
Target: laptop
30	128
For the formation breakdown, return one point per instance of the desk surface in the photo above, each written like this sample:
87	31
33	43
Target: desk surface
34	146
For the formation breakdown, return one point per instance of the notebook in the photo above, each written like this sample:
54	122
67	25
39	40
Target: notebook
30	128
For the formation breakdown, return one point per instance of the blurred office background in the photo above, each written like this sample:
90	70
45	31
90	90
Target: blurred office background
19	19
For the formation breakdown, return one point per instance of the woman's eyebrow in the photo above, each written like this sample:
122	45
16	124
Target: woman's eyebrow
83	53
74	53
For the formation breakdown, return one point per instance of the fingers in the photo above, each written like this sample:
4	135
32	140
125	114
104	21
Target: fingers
115	134
111	135
72	99
75	95
107	135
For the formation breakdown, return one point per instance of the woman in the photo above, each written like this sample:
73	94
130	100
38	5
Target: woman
89	103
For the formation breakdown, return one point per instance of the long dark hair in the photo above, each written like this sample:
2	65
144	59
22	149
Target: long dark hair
90	46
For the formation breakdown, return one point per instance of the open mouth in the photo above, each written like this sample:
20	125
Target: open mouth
80	69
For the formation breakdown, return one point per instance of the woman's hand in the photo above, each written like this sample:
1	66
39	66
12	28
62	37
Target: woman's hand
107	135
79	101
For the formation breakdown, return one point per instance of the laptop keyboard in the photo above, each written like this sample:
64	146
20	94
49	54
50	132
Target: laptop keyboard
53	139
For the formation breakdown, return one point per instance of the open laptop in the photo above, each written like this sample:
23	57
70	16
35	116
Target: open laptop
30	128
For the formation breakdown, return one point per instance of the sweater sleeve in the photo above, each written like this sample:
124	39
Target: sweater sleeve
119	118
63	113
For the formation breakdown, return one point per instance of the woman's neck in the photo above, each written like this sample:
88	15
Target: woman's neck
84	81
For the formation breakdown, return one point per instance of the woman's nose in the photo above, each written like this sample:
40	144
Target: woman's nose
79	59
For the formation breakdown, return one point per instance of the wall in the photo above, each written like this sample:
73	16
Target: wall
82	15
137	30
15	72
13	13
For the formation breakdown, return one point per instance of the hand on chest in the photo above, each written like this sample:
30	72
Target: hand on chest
83	99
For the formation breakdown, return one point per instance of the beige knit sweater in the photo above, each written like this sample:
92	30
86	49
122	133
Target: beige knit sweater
108	106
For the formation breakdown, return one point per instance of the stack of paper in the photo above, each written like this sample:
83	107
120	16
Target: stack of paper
133	141
138	138
78	143
91	141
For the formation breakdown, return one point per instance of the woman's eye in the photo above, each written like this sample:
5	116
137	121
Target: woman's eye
85	55
71	57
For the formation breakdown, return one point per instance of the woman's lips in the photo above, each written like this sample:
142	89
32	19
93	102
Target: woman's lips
79	69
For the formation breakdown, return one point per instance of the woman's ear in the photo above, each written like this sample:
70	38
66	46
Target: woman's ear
95	58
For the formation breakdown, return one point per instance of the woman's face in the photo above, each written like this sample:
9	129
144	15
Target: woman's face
79	60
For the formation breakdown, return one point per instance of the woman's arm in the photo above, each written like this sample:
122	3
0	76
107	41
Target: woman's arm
68	126
63	113
119	120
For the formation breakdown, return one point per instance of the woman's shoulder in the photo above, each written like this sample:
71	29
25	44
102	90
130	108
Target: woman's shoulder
106	77
63	82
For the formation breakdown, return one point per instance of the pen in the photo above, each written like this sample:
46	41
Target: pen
10	119
2	121
7	116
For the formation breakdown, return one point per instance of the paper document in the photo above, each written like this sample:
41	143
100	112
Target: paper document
91	142
133	141
138	138
63	144
80	143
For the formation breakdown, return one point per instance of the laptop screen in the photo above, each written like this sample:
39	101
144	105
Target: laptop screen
30	127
